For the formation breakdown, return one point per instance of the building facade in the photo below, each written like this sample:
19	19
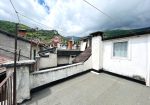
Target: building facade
128	56
7	45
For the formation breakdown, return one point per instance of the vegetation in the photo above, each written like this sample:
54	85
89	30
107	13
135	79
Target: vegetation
117	33
7	26
43	35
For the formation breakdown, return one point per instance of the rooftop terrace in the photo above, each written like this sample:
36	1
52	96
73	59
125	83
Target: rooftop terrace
93	89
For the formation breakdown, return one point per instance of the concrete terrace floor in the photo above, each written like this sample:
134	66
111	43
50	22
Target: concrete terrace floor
93	89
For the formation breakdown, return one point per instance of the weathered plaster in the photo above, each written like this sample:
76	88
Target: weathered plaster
43	77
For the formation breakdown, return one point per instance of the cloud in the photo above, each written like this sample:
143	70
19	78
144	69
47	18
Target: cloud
76	17
29	8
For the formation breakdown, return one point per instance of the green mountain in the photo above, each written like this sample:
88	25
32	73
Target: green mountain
7	26
43	35
117	33
75	38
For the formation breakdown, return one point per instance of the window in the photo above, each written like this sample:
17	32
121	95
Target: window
34	54
120	49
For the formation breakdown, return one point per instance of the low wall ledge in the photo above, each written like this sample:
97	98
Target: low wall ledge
19	63
56	68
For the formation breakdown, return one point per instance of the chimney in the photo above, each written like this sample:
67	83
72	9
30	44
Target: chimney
70	44
22	32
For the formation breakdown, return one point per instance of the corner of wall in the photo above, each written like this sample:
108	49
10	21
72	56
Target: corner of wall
97	53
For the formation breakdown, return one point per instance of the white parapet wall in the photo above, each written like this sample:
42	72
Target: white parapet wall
27	81
23	80
49	61
43	77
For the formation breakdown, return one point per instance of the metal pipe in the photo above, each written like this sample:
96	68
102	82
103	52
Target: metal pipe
19	54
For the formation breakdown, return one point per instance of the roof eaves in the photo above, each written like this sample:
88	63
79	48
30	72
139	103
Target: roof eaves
98	33
84	38
128	35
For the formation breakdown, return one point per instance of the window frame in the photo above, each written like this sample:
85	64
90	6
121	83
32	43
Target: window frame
128	50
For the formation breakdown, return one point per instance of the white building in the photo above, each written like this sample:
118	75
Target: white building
85	42
128	55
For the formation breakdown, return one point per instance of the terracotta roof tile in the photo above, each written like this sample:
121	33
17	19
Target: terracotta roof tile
4	59
83	56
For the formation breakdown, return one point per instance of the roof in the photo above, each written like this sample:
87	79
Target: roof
83	56
98	33
13	36
37	42
4	59
23	30
134	32
67	52
85	38
43	53
93	89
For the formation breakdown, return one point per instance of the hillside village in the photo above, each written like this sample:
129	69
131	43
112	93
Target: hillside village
101	66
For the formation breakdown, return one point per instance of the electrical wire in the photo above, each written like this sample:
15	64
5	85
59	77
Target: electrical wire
98	9
34	20
15	11
18	13
105	14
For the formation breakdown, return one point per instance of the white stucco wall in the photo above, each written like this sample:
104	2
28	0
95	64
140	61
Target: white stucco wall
85	44
148	62
27	81
43	77
7	43
97	52
82	45
22	76
37	49
136	64
45	62
63	60
88	64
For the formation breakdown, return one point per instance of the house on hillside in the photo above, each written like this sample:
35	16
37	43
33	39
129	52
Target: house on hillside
22	32
68	44
127	55
36	46
56	41
72	43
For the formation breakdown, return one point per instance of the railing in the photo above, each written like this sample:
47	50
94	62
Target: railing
6	91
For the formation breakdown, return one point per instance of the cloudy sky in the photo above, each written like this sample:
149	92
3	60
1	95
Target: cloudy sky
76	17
